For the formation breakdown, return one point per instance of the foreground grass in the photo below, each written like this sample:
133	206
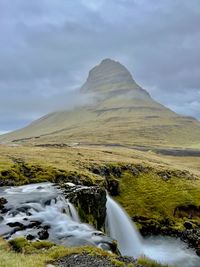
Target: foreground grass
39	253
21	253
150	263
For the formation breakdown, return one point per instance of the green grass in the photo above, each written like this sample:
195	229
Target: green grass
119	119
150	263
145	194
39	253
155	199
23	253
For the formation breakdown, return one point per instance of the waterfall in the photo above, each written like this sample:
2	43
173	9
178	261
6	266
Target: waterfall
42	209
121	228
73	213
165	250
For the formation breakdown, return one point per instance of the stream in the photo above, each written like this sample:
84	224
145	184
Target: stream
40	211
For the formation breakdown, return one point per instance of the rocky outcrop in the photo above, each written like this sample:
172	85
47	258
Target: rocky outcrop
192	236
22	172
189	211
3	201
112	173
113	73
89	201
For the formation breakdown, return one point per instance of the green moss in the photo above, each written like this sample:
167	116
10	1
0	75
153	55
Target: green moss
19	244
22	173
117	263
22	245
154	199
39	253
150	263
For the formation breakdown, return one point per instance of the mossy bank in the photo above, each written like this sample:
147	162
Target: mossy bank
20	252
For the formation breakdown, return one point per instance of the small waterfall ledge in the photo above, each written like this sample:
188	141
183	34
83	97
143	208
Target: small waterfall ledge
41	211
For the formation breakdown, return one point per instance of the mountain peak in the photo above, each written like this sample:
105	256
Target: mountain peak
109	62
111	76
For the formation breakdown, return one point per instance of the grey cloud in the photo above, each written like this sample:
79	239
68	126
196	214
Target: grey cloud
47	48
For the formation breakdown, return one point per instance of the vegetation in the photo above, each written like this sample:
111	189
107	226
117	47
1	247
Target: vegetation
150	263
20	252
151	189
151	199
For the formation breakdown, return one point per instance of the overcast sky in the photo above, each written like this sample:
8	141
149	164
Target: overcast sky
48	46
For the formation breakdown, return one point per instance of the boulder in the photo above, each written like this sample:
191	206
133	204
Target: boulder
90	203
3	201
188	225
43	234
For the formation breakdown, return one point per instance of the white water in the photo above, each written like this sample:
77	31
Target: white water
120	227
45	204
162	249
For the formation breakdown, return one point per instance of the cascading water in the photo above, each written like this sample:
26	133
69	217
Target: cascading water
162	249
41	209
120	227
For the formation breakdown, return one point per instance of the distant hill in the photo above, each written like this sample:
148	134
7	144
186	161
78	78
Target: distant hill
122	113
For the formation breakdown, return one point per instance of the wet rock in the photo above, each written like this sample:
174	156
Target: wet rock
112	185
30	237
34	224
3	201
16	224
90	203
192	236
188	225
43	234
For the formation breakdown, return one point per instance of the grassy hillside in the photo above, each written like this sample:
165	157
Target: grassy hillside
121	113
150	186
155	190
139	123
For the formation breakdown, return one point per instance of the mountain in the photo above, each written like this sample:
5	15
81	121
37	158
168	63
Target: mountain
122	113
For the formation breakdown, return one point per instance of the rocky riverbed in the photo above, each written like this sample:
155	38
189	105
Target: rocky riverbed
85	260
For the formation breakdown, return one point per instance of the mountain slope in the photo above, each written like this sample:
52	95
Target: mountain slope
122	113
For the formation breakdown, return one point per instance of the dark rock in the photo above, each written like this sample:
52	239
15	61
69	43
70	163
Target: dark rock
3	201
189	211
188	225
30	237
164	175
34	224
192	236
43	234
135	170
112	185
16	224
87	260
90	203
107	170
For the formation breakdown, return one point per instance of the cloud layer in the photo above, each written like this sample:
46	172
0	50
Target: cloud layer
47	48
